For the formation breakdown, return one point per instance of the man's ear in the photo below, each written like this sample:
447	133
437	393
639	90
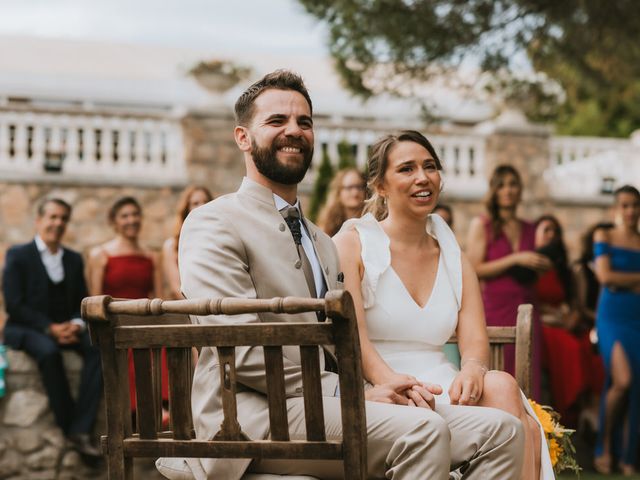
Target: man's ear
242	137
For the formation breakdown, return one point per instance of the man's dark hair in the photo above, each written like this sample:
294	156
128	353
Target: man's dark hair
279	80
58	201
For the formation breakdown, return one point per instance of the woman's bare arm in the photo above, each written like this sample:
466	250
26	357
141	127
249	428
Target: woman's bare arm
477	250
473	340
95	270
607	275
170	269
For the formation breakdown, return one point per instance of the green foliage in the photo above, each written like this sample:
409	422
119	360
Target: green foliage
346	155
590	47
321	186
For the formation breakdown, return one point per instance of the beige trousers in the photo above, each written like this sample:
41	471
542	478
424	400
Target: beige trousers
416	443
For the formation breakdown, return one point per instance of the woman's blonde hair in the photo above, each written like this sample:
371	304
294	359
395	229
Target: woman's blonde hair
182	209
379	162
333	214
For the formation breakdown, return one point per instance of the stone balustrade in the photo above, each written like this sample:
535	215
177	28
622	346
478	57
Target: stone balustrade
91	149
588	168
463	155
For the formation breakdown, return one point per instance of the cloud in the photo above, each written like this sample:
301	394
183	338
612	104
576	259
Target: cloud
276	25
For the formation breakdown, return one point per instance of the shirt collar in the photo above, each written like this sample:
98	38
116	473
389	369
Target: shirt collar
42	247
282	203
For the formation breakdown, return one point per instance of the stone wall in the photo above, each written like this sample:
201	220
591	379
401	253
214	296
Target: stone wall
32	447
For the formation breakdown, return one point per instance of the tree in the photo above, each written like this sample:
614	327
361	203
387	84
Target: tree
589	46
321	185
346	155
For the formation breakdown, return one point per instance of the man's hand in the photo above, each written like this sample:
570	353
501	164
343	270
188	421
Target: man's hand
422	395
410	393
65	333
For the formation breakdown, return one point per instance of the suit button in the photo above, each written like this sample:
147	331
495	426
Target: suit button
298	264
282	227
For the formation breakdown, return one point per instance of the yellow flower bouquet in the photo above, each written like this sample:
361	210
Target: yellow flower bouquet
561	450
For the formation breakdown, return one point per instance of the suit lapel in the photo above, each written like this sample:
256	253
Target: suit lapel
68	269
42	277
320	255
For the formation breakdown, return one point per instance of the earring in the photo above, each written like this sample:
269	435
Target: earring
384	201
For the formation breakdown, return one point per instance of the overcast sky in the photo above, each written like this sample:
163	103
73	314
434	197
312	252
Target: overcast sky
276	26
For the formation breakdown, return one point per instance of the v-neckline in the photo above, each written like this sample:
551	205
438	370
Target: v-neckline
520	239
433	288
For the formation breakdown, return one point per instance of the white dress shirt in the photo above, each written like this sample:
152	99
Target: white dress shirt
55	270
307	244
52	261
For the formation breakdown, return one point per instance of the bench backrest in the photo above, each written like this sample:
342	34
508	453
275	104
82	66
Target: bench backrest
145	326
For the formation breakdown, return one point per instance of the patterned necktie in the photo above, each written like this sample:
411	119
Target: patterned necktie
292	217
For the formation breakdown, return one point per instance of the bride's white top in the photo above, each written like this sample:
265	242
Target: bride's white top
410	337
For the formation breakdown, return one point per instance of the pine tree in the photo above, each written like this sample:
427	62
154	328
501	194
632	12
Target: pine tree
321	185
346	155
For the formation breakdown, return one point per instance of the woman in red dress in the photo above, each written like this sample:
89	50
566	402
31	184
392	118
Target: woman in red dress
568	354
121	268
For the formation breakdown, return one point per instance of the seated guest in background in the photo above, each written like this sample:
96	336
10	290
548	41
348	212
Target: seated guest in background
122	268
191	198
446	213
568	356
43	285
617	254
344	201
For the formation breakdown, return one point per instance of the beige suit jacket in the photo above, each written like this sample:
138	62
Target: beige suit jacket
238	246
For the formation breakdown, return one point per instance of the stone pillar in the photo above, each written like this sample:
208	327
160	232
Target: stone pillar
513	140
213	159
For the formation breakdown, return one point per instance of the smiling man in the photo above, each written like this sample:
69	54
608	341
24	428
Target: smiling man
256	243
43	285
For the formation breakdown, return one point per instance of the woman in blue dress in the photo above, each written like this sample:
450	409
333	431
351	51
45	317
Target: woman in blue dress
617	266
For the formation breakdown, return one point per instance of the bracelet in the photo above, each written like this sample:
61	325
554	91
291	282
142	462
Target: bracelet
475	360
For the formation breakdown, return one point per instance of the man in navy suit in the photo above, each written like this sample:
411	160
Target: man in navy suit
43	285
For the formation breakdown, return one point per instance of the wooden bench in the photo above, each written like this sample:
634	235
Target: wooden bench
148	325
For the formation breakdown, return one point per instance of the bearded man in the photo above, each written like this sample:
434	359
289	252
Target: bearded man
256	243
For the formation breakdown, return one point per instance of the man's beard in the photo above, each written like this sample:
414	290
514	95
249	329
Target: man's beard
267	163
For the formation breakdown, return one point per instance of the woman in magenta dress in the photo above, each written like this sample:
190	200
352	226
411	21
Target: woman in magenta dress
121	268
501	248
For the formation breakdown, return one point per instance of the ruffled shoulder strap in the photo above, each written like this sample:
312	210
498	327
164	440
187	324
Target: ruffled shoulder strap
374	251
450	251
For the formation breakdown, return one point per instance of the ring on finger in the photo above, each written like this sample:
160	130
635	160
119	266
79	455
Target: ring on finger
472	397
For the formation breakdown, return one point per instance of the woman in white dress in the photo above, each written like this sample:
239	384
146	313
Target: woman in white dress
413	288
